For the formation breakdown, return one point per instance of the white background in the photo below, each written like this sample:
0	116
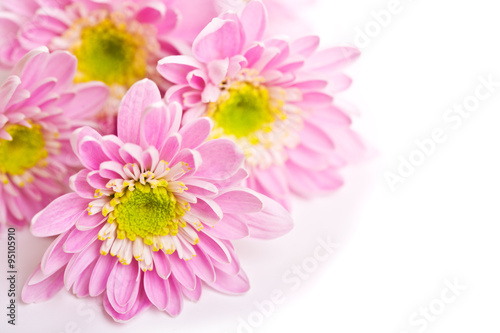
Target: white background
396	249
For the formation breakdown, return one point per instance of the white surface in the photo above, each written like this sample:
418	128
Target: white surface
396	248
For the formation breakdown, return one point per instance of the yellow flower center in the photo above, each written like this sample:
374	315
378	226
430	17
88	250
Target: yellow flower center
24	151
108	52
146	212
244	109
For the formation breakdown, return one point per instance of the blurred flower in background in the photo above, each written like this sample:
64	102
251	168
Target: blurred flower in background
39	108
116	42
271	96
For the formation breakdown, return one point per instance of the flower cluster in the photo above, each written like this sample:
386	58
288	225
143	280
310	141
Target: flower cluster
146	136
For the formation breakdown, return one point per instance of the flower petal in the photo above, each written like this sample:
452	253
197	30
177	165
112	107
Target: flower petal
54	257
59	216
157	290
254	20
100	275
221	159
195	133
220	39
182	272
79	263
239	201
141	95
230	284
272	222
33	293
122	288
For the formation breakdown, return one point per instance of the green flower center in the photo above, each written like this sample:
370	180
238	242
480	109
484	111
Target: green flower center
24	151
244	109
109	53
145	212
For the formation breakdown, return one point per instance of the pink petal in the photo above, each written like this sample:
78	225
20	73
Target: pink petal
62	67
8	89
59	216
44	290
91	154
305	46
171	148
79	240
207	211
182	272
220	39
96	181
307	183
140	304
315	138
195	133
307	158
79	184
272	222
111	147
162	264
230	227
234	266
201	188
176	68
174	307
157	290
54	257
239	201
123	285
218	70
80	262
254	53
234	180
214	248
89	98
202	267
81	286
138	98
191	157
254	20
315	99
193	295
100	274
332	59
221	159
273	181
87	222
152	12
230	284
154	126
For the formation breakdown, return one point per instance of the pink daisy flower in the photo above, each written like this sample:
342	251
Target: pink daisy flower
116	42
39	108
273	98
152	214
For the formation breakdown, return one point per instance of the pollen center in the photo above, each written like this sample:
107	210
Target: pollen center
244	109
24	151
107	52
145	212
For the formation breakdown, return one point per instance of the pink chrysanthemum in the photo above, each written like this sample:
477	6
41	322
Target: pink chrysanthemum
116	42
152	214
39	108
272	97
